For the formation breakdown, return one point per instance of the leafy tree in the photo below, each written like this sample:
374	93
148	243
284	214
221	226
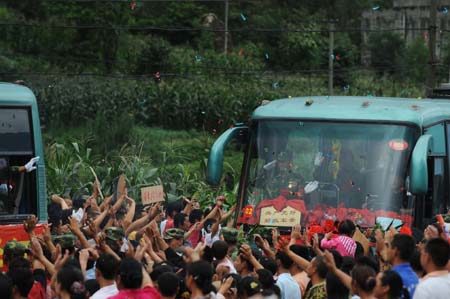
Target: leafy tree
386	50
416	56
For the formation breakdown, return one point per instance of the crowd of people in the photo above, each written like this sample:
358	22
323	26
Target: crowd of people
116	248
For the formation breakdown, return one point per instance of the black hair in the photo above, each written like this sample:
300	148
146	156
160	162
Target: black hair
195	215
415	261
159	269
174	207
208	254
6	285
65	214
347	264
54	214
269	263
396	287
236	279
130	272
266	278
359	252
248	286
139	208
178	220
335	288
168	284
250	266
92	286
79	201
20	262
285	260
72	281
321	267
439	251
107	265
346	227
208	223
370	262
301	250
22	278
73	261
364	277
405	245
220	249
202	273
114	245
337	258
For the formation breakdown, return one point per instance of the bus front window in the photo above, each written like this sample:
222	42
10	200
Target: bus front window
17	187
327	170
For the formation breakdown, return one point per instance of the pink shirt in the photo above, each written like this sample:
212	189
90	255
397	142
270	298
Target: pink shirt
342	244
195	238
146	292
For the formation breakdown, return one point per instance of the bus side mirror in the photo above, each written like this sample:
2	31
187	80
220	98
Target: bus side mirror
419	167
215	161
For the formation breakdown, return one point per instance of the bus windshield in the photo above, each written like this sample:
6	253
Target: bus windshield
311	171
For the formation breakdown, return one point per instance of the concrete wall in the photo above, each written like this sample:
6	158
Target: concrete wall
406	14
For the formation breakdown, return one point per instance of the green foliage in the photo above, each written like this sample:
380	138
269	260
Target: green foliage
302	50
177	155
416	54
386	49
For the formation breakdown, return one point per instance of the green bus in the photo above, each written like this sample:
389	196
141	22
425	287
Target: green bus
22	193
312	159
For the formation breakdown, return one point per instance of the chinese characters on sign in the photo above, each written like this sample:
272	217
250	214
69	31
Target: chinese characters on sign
286	217
152	194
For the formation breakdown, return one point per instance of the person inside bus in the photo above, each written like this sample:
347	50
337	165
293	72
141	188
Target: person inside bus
335	169
7	183
281	177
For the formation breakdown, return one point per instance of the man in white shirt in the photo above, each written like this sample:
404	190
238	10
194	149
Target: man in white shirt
105	272
434	257
287	284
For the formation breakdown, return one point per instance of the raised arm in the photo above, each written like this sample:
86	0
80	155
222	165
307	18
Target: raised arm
343	277
130	212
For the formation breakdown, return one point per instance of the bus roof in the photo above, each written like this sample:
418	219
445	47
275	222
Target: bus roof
421	112
15	94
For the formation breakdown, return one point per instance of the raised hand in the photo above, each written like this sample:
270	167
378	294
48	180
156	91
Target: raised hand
30	224
329	261
31	165
36	248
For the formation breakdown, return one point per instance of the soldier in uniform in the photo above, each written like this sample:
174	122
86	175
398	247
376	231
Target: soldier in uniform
115	239
174	238
67	242
230	235
7	184
12	250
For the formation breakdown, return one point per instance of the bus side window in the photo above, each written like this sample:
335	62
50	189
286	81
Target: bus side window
438	186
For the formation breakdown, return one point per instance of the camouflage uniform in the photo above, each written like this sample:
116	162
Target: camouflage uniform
114	233
66	241
230	235
174	233
14	248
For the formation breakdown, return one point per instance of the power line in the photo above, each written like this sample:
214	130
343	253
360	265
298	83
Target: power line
263	73
207	68
149	1
205	29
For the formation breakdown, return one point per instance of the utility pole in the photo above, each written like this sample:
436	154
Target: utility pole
225	43
431	82
330	57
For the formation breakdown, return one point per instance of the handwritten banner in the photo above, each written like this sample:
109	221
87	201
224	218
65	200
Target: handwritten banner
286	217
16	232
152	194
